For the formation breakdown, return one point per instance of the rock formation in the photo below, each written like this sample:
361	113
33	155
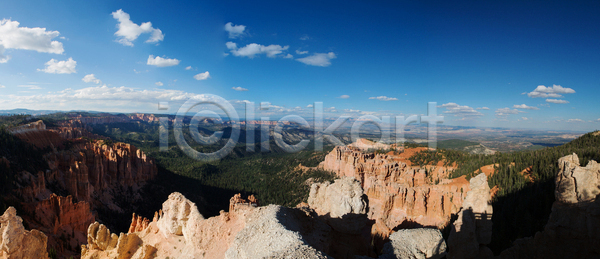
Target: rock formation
573	229
16	242
93	167
342	203
343	206
419	243
92	173
399	194
246	232
473	228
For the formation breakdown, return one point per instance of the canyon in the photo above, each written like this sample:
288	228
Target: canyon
381	206
399	195
86	174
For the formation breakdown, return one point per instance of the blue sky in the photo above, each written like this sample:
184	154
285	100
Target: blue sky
371	57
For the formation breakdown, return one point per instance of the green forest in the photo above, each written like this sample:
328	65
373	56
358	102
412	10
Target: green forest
272	176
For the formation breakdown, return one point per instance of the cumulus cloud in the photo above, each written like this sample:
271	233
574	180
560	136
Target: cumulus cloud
2	86
482	108
91	79
188	68
554	91
301	52
241	89
318	59
460	110
503	112
202	76
60	67
253	49
288	56
159	83
14	37
344	96
162	62
524	118
575	120
310	106
129	31
556	101
234	31
523	106
384	98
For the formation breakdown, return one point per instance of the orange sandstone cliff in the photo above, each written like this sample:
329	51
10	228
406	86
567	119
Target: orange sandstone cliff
399	195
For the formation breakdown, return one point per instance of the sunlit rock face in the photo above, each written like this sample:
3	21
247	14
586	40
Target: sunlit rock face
248	231
398	194
16	242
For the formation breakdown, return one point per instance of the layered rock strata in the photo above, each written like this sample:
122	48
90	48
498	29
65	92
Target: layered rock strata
399	195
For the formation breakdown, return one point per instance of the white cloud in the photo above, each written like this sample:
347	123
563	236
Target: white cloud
482	108
31	87
318	59
91	78
550	91
60	67
231	45
1	86
118	99
188	68
241	89
129	31
344	96
301	52
159	83
234	30
304	37
384	98
310	106
288	56
460	110
524	106
162	62
524	118
575	120
556	101
14	37
502	112
202	76
253	49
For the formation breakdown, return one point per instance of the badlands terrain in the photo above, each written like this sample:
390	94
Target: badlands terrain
71	190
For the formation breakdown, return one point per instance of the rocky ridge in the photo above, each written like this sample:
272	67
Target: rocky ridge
398	194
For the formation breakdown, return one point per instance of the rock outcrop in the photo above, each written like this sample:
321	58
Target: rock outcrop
573	229
398	194
473	228
341	204
246	232
16	242
92	167
417	243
